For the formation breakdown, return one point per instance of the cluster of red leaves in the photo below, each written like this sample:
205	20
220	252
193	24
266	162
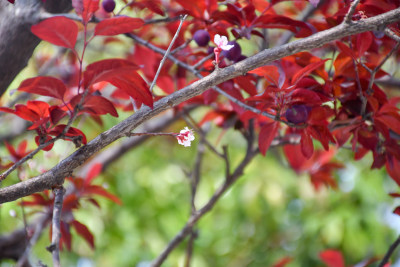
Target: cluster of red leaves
79	189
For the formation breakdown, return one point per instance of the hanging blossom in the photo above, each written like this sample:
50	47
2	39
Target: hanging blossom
185	137
222	44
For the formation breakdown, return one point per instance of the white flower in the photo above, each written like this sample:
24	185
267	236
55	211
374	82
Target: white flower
185	137
222	42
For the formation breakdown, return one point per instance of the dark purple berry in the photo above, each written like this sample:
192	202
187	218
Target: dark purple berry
201	37
108	5
234	53
297	114
240	58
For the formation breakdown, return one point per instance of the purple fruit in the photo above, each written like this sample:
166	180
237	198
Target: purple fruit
108	5
234	53
242	57
297	114
201	37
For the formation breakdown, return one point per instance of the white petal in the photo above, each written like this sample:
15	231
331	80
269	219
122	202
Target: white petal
217	39
227	47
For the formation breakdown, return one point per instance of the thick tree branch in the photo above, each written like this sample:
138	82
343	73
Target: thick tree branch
56	175
17	42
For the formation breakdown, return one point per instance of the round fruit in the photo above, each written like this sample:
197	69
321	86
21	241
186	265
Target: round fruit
297	114
108	5
234	53
201	37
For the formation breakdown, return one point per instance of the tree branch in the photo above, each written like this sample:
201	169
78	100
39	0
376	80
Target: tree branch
55	176
54	248
17	42
389	252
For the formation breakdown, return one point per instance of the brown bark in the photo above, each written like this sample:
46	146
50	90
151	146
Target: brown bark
17	42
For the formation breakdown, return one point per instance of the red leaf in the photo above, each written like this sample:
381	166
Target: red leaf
307	147
332	258
47	86
59	31
95	104
392	122
393	169
307	70
397	210
72	132
364	41
266	136
93	173
134	86
117	25
48	138
98	190
85	8
105	70
282	262
346	50
84	232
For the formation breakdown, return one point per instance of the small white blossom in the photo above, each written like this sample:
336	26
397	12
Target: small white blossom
222	42
13	213
185	137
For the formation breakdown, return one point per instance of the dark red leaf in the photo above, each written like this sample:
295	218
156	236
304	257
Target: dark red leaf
93	172
364	41
72	132
346	50
117	25
267	135
98	190
393	169
332	258
38	142
47	86
106	69
56	114
307	70
282	262
397	210
95	104
85	8
59	31
307	147
84	232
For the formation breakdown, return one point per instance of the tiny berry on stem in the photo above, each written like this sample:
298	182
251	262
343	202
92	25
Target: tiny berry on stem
108	5
234	53
297	114
201	37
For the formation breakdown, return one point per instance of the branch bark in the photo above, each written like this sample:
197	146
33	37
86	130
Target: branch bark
56	175
17	42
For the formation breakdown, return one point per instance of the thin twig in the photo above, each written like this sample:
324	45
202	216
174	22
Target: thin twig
189	248
186	230
392	34
56	231
167	53
389	252
39	226
352	9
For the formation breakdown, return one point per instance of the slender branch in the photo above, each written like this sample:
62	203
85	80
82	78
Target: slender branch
54	248
39	226
389	252
352	9
189	249
392	34
187	229
56	175
167	53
